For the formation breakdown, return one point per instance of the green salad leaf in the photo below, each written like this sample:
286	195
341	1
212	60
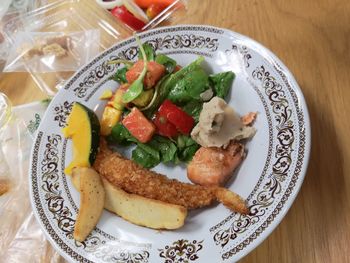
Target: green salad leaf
150	150
159	149
182	72
149	52
167	62
145	157
187	147
136	87
189	87
120	75
184	88
160	95
120	135
222	83
150	154
193	108
187	83
166	147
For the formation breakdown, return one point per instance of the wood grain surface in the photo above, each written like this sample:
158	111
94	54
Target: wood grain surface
313	39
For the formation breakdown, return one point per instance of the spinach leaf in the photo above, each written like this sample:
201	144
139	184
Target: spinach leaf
189	87
193	108
136	87
184	141
166	148
149	51
161	93
159	149
174	78
150	150
222	83
187	83
167	62
120	76
187	154
144	157
120	135
166	83
187	147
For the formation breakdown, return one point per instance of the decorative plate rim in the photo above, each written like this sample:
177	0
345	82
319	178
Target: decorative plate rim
274	61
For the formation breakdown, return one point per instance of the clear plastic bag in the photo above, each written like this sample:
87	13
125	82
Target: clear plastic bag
64	17
9	9
21	238
78	16
40	52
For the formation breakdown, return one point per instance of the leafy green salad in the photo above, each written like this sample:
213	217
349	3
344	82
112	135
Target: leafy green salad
157	105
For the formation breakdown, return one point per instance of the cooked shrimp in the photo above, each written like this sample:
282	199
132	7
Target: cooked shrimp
213	166
135	179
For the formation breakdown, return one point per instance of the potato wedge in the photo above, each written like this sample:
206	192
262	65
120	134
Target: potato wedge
137	209
92	199
143	211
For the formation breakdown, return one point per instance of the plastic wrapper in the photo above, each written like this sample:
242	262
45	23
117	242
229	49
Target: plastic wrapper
68	18
20	234
10	9
140	15
52	51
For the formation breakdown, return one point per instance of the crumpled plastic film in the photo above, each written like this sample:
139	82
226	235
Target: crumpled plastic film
21	239
40	52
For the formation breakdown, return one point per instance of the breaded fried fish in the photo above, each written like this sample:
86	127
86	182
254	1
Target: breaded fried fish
135	179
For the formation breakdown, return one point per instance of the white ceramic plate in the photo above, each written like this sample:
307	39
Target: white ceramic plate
269	178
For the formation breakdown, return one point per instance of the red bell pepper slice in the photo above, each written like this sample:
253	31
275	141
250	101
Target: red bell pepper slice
164	127
129	19
180	119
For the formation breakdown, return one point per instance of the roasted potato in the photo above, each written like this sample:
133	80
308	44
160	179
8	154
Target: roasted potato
143	211
137	209
92	200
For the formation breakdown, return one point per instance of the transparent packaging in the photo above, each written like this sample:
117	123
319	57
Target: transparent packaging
42	52
68	17
10	9
21	239
20	235
65	17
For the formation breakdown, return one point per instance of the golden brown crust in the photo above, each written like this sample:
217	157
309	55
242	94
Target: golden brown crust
135	179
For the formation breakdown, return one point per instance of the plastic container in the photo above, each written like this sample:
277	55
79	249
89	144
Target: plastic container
65	17
10	9
147	16
72	17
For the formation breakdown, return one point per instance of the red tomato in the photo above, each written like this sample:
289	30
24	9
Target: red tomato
182	121
154	72
139	126
154	10
148	3
129	19
164	127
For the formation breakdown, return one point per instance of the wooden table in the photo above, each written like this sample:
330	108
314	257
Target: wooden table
313	39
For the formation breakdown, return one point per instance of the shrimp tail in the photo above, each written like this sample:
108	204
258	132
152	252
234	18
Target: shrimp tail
231	200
